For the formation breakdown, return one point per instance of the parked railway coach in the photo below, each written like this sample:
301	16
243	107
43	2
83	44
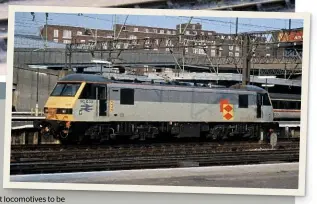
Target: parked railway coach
90	107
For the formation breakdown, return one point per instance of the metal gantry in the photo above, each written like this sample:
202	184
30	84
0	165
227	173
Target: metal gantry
250	43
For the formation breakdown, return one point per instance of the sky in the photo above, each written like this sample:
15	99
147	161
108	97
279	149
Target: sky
24	23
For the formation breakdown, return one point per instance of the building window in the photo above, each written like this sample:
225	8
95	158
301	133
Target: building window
230	54
193	27
237	54
237	48
212	53
79	33
174	32
220	48
83	41
243	101
105	45
195	32
168	44
146	30
135	29
268	55
187	32
55	33
56	40
195	51
67	41
209	33
126	45
162	31
154	30
127	96
202	33
230	47
219	54
67	34
213	44
124	28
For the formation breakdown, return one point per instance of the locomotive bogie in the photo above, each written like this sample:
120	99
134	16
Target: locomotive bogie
141	131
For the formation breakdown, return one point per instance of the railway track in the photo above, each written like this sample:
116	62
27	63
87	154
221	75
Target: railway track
170	145
48	159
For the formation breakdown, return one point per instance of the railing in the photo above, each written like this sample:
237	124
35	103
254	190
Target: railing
30	113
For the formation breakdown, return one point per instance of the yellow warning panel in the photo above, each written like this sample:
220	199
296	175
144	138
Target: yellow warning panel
227	112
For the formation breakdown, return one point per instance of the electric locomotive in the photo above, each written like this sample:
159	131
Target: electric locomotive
84	107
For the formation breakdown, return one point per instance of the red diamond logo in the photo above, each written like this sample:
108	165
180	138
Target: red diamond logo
228	116
228	108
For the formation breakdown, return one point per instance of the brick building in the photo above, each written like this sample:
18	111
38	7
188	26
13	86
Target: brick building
68	34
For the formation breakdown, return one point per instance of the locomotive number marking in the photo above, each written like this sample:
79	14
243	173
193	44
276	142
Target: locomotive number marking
86	101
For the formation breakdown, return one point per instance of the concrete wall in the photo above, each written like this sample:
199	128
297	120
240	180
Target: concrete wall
24	56
25	83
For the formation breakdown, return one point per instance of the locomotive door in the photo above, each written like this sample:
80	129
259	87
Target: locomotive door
102	99
258	106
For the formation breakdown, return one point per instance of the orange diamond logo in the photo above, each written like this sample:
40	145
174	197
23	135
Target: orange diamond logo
228	108
228	116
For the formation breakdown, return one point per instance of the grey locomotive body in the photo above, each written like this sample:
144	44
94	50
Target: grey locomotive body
106	110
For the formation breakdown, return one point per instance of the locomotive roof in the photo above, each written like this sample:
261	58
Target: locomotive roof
101	79
248	88
84	78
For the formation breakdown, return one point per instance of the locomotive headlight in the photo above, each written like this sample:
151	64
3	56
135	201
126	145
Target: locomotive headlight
65	111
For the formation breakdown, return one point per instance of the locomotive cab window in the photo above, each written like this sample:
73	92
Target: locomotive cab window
243	101
127	96
93	91
65	89
89	92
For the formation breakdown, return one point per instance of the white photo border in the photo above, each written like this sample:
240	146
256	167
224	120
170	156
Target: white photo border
151	188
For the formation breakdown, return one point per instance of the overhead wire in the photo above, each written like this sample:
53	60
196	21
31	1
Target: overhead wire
25	22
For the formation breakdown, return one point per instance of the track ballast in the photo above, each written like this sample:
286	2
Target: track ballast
59	159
